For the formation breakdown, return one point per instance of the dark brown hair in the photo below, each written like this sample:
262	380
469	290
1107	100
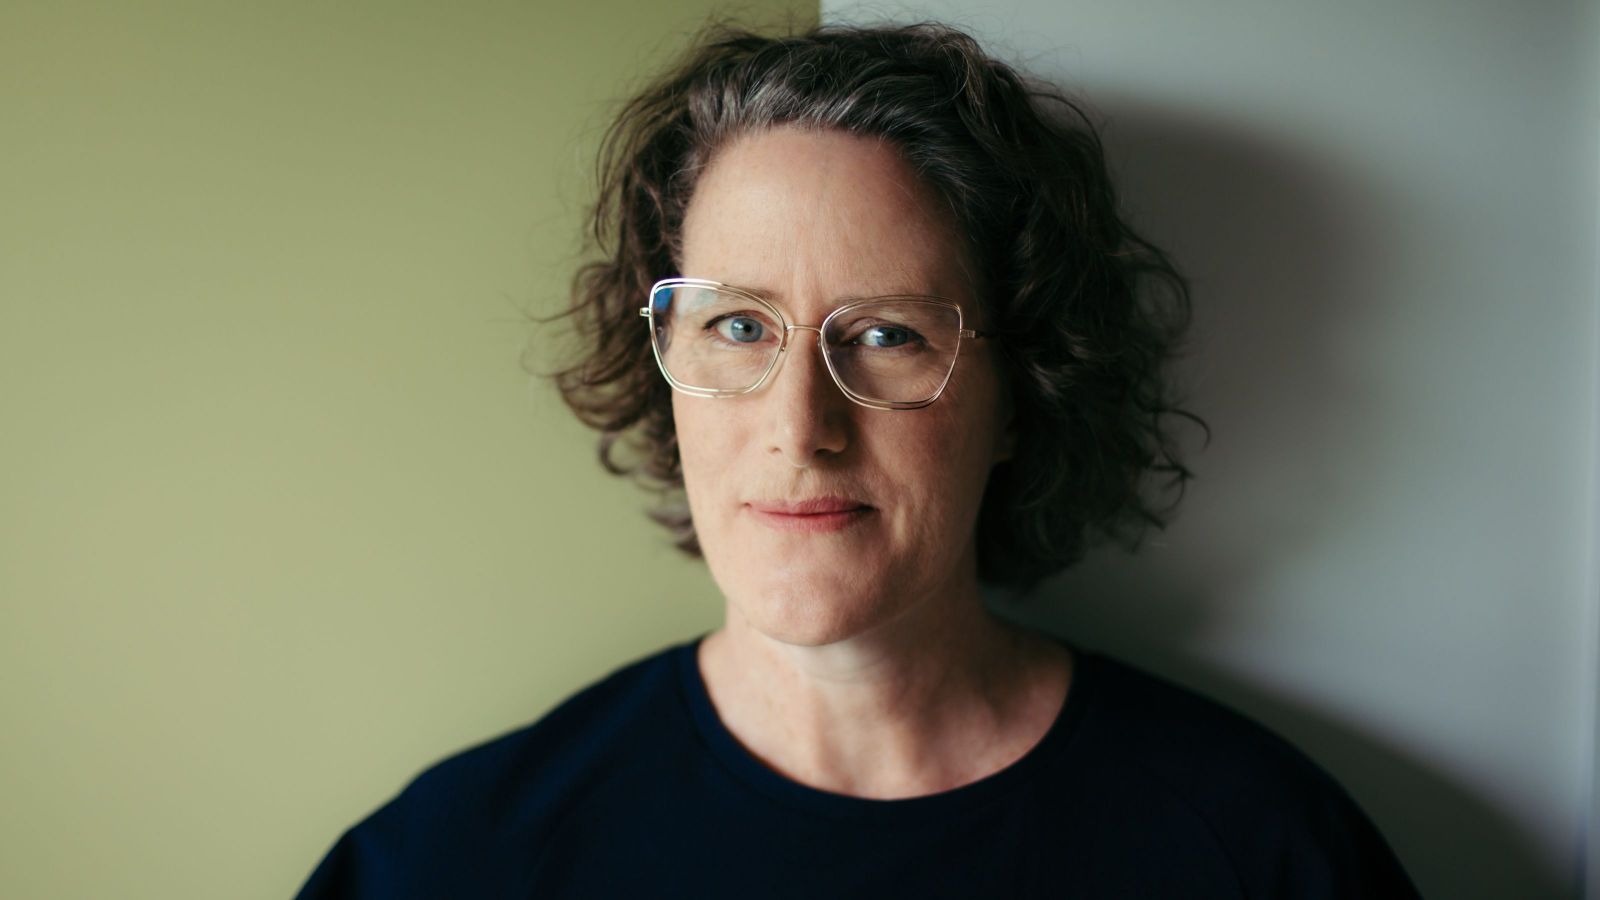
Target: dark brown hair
1087	312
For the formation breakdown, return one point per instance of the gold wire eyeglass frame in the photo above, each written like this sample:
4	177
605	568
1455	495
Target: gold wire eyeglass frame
962	333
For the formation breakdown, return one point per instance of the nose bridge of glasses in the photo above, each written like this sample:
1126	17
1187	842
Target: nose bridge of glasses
788	336
789	330
824	367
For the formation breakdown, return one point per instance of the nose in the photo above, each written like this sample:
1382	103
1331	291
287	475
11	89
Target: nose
809	415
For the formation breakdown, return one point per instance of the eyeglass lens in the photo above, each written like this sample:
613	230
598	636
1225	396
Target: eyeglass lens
893	350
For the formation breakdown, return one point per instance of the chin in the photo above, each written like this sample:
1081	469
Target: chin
811	612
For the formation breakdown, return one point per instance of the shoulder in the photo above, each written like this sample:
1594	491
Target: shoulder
1180	734
457	820
1278	816
580	731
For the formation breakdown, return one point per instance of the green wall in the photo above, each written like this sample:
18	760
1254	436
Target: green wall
281	519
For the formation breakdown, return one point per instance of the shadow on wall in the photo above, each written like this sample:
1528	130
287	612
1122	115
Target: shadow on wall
1279	244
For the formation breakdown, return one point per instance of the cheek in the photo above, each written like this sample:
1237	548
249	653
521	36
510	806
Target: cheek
709	442
959	434
939	464
694	441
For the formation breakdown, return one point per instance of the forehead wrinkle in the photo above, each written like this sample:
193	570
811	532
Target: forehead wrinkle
828	207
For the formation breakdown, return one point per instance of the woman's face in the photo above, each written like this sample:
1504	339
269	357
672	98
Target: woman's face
811	220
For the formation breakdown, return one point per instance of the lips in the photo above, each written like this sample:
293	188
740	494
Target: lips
812	507
816	514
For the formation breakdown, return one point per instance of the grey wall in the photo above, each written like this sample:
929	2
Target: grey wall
1389	213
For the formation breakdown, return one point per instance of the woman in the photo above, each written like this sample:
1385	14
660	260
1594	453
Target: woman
873	310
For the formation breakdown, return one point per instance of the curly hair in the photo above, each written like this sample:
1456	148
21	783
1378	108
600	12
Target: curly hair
1087	312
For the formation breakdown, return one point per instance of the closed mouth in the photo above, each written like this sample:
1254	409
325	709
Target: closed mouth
816	515
816	506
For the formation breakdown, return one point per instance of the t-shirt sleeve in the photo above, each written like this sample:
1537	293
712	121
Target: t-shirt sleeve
1288	828
1294	832
1338	853
429	841
465	826
368	862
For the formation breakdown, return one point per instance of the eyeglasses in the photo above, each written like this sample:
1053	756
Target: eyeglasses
712	340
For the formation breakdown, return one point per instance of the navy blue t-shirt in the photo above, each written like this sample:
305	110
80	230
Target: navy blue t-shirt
634	788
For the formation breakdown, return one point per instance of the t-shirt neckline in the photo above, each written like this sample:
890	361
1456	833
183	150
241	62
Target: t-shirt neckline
744	767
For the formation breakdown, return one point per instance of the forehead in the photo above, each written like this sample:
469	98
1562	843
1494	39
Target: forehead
808	216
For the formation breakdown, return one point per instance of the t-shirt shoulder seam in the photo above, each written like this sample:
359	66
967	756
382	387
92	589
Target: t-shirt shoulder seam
1205	819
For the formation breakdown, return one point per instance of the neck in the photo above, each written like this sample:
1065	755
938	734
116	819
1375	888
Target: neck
937	698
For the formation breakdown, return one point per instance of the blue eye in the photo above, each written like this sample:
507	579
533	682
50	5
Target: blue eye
885	336
740	329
